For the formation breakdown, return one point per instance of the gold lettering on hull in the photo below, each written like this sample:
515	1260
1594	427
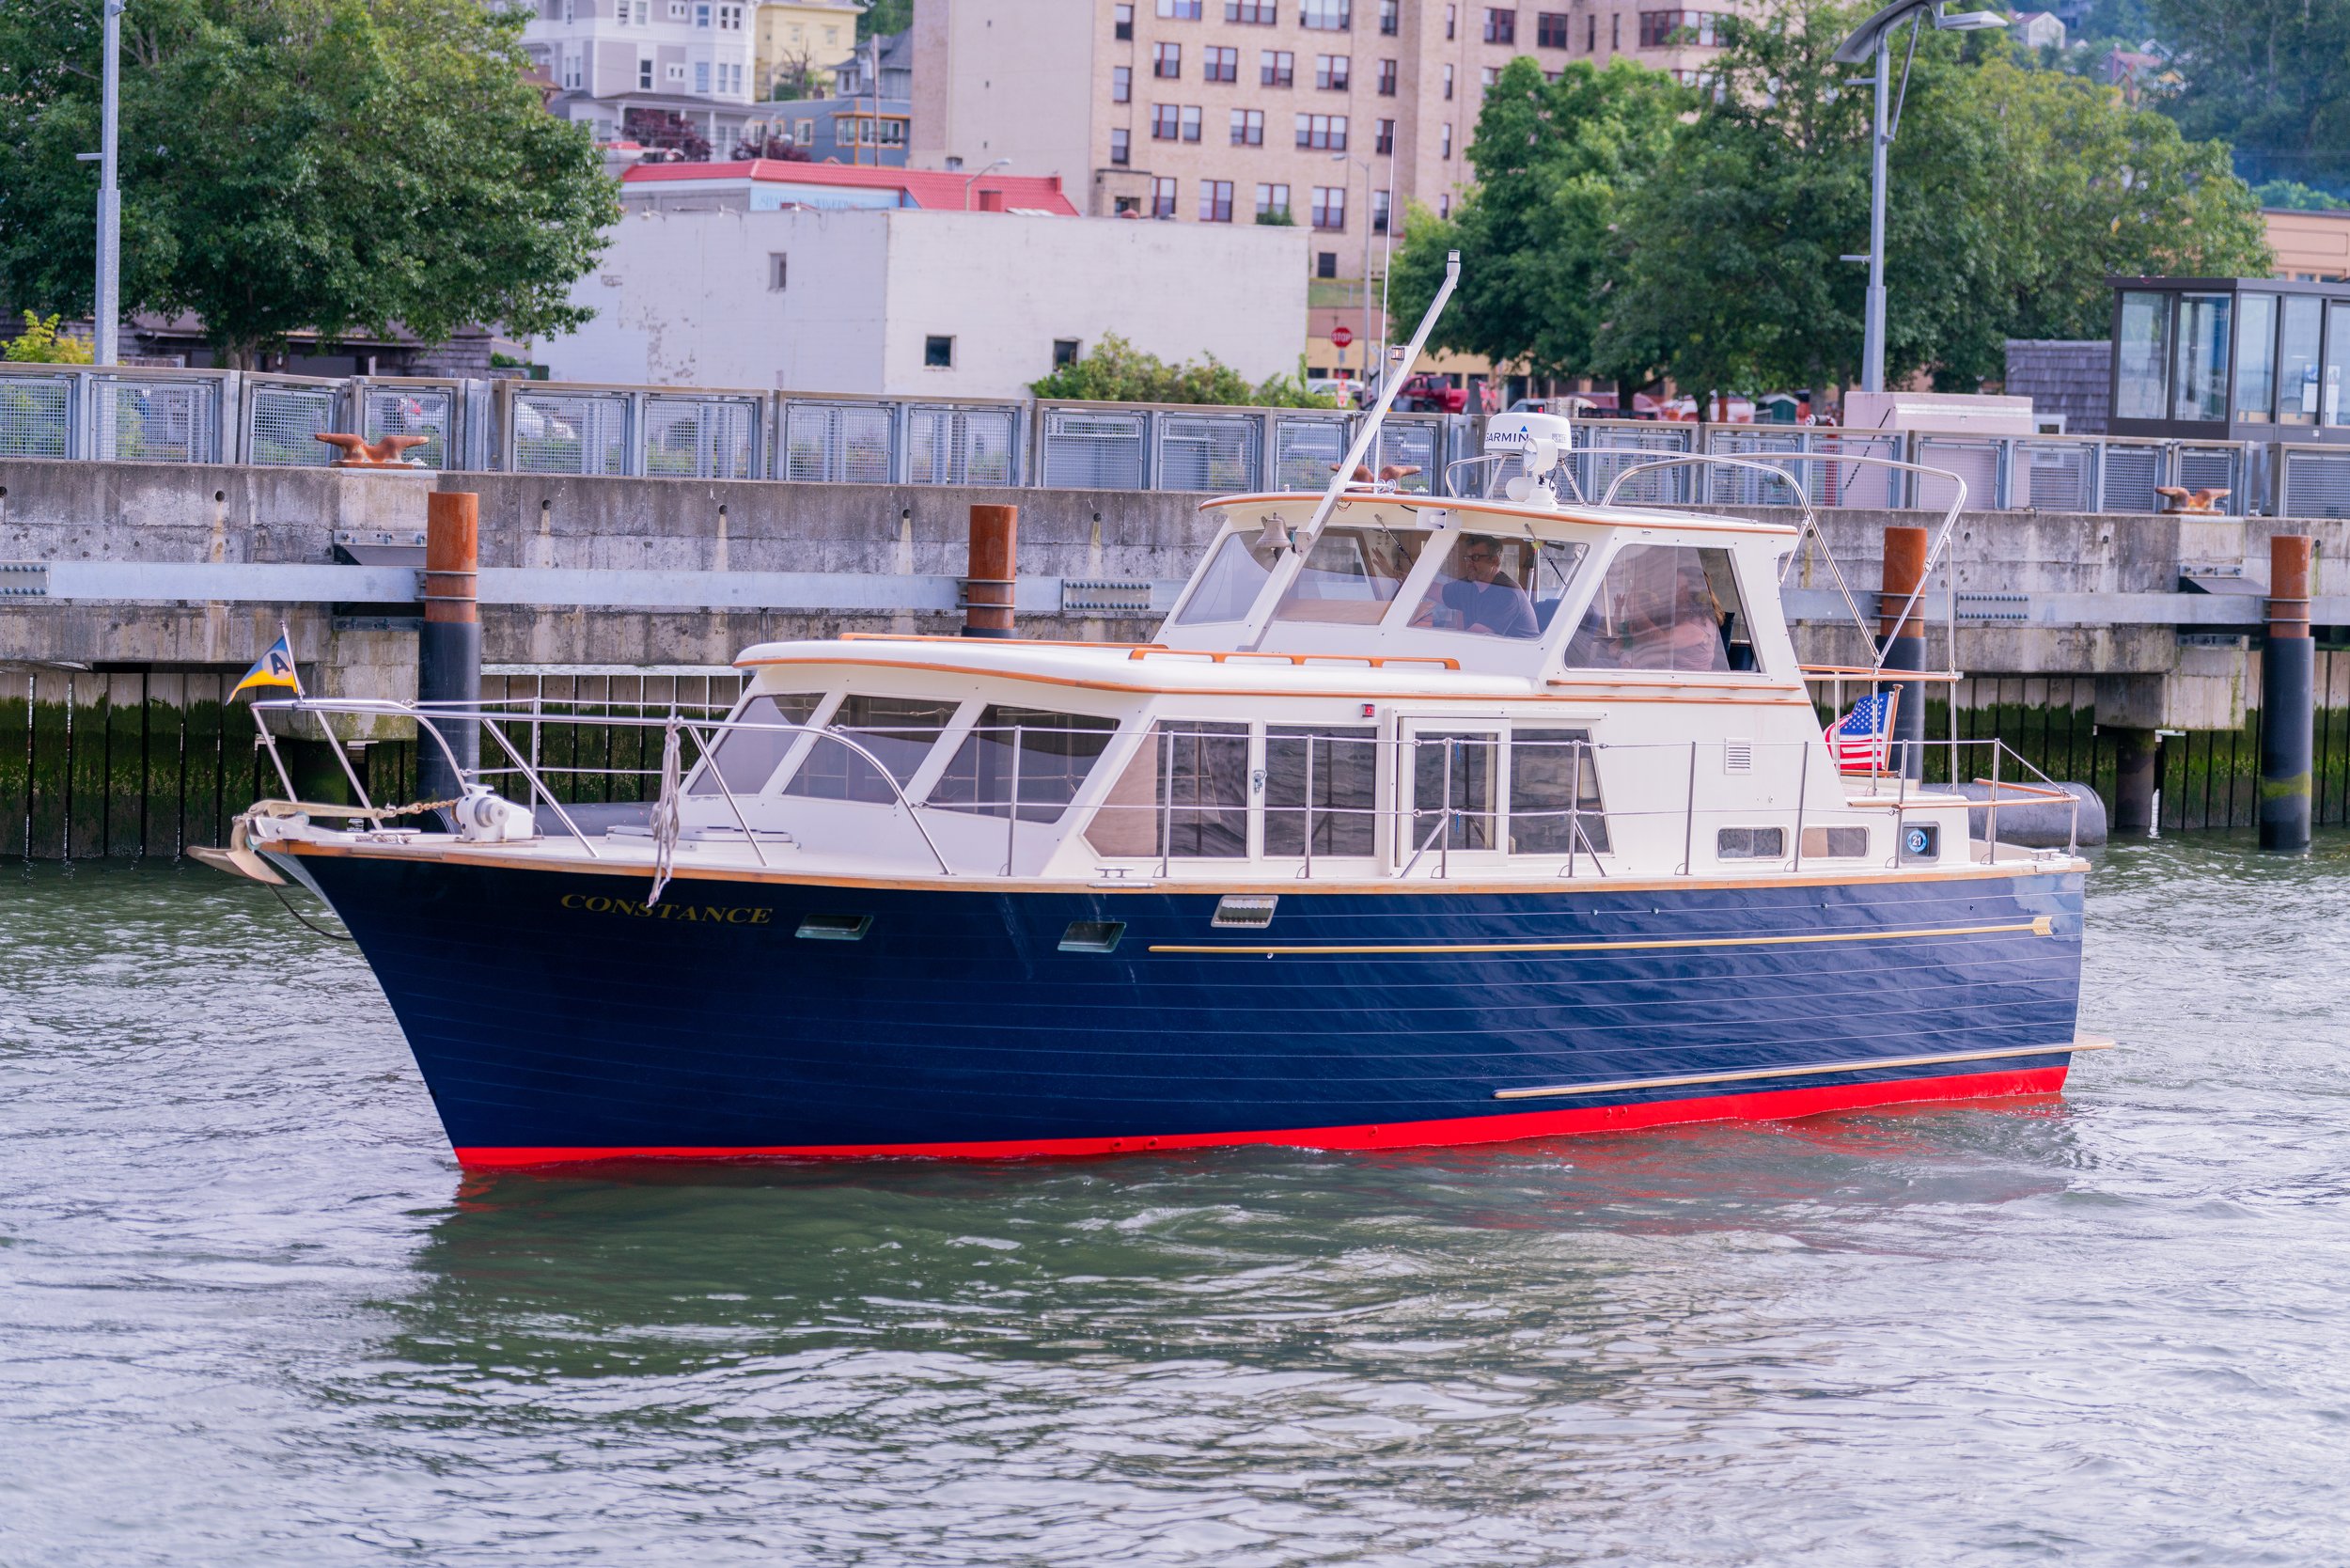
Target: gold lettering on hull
694	914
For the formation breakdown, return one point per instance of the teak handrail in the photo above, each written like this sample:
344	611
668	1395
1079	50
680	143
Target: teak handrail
1376	661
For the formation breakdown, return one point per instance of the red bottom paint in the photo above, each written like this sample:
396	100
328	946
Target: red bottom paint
1777	1104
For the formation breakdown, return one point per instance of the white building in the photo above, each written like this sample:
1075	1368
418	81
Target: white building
2039	30
682	61
907	303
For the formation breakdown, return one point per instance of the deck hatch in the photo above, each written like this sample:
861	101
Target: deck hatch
835	928
1244	912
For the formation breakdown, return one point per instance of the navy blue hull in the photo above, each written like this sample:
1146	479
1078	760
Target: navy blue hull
554	1016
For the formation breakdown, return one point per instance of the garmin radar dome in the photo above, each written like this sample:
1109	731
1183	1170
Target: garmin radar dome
1541	440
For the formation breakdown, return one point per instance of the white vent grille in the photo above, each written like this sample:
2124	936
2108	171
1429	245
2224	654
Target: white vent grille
1737	757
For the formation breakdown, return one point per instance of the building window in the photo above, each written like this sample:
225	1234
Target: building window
1447	84
729	19
1166	61
644	75
1501	26
1273	200
701	14
1121	146
1179	10
1591	34
1222	65
776	271
701	76
1451	21
1390	18
1550	30
1384	144
1121	84
676	70
1378	211
1322	133
1064	351
1122	23
1444	205
1330	72
1165	122
938	354
572	72
1162	198
1215	201
1485	80
1256	13
1444	141
1326	16
1386	78
1191	122
1123	205
1615	33
1248	128
1275	67
1327	264
1329	208
1659	29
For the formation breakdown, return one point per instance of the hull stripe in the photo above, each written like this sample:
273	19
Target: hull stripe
1625	1085
2042	926
1760	1106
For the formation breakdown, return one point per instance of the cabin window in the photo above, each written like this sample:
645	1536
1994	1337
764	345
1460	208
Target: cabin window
1750	843
898	731
1350	577
1555	805
1500	587
1321	787
1665	606
1835	843
748	759
1185	794
1230	584
1040	758
1092	936
1460	778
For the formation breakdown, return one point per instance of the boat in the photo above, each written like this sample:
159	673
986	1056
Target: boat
1425	819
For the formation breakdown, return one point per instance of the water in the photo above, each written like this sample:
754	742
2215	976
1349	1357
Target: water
250	1313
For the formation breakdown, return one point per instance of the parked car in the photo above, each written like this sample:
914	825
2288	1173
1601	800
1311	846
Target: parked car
1335	387
1430	393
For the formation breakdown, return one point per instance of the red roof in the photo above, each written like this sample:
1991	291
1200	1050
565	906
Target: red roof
930	189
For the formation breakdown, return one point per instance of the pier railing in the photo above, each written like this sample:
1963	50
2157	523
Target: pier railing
140	414
1314	803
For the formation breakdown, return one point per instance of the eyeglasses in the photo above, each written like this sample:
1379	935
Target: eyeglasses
1481	555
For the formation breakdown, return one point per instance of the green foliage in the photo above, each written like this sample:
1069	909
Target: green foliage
2293	196
299	164
1543	254
884	17
2272	77
1117	371
41	343
1277	217
1617	240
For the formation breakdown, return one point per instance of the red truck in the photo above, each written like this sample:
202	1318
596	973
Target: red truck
1429	393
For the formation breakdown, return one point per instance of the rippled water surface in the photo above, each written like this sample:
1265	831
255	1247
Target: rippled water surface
251	1313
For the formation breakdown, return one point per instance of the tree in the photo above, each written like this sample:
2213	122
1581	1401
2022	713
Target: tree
2271	76
291	165
2293	196
884	17
1117	371
43	342
1541	252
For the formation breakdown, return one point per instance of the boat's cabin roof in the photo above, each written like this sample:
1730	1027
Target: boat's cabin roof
1488	586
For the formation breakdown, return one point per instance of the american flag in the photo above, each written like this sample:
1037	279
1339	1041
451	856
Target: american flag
1860	739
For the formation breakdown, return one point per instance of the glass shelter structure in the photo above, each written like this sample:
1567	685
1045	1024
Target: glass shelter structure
2232	359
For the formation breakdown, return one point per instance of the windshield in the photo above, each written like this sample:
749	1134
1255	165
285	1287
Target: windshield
1500	587
1229	584
1350	576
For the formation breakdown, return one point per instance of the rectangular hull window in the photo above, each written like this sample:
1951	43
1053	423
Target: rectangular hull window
1185	794
1040	758
1835	843
835	928
1092	936
898	731
1555	805
1321	787
1665	606
1750	843
748	759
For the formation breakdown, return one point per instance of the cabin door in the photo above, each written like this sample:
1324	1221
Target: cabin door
1449	784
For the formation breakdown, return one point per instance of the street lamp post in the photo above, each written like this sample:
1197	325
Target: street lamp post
1368	170
1873	37
108	307
998	164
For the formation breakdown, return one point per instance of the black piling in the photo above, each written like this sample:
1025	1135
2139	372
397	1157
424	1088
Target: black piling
449	648
2288	697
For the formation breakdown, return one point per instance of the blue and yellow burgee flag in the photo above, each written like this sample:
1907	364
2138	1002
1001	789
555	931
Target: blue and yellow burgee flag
273	668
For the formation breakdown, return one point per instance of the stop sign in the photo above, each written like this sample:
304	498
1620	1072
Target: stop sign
1341	336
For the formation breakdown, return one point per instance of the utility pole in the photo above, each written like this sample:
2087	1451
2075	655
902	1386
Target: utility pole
1873	328
108	310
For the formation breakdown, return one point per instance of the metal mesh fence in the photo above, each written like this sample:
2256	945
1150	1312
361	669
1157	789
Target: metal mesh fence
1977	462
838	443
2048	476
1407	446
2315	484
283	424
950	446
701	438
2127	478
570	433
36	416
1609	449
2211	468
160	422
1306	451
1093	452
426	411
1744	487
1211	452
